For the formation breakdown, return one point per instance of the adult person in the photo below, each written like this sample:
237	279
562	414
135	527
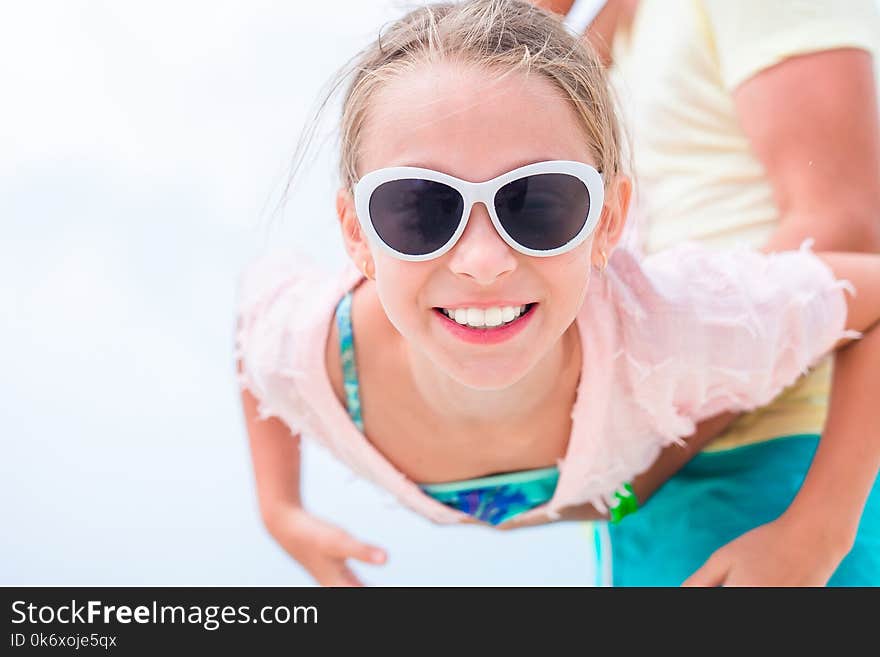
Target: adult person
751	123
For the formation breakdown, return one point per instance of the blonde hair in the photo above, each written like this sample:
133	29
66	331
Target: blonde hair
502	35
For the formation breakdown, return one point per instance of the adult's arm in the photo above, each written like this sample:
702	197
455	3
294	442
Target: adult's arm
805	545
812	122
613	15
670	461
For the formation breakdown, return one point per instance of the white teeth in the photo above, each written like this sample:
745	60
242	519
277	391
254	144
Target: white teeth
476	317
493	317
485	317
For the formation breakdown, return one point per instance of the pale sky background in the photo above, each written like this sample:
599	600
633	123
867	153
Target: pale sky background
139	143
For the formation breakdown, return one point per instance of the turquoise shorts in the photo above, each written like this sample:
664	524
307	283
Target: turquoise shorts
715	498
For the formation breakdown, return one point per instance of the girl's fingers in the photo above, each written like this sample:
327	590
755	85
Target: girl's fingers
336	573
347	576
349	547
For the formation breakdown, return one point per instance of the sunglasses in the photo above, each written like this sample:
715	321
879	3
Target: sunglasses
541	209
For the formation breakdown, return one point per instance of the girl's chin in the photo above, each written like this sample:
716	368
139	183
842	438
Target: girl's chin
487	374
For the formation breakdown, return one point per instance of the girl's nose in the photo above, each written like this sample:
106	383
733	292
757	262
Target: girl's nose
480	253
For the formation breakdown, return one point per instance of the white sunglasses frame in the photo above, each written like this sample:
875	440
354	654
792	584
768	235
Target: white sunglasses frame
481	192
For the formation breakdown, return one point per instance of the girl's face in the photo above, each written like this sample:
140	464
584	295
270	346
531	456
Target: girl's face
475	124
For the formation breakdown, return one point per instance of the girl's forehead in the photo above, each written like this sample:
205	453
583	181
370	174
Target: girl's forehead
469	121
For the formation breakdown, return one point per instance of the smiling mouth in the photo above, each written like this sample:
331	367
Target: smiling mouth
488	318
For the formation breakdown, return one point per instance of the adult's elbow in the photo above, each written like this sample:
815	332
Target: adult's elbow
849	230
864	232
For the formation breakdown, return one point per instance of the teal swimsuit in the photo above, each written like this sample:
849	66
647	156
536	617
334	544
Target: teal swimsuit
492	499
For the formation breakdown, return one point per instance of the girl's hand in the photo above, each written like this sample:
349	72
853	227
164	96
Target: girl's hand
775	554
321	548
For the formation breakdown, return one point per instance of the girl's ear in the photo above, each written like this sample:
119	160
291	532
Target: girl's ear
613	219
355	242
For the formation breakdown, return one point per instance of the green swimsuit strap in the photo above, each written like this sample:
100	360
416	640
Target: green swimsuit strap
349	368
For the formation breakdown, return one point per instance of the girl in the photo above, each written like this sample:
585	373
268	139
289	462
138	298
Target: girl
510	366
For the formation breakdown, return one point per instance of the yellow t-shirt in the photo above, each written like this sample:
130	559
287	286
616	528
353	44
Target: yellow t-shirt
697	177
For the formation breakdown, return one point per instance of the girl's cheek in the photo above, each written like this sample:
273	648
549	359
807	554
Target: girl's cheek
573	271
399	301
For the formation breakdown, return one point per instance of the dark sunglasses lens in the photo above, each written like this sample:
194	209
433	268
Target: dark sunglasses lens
414	216
543	211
